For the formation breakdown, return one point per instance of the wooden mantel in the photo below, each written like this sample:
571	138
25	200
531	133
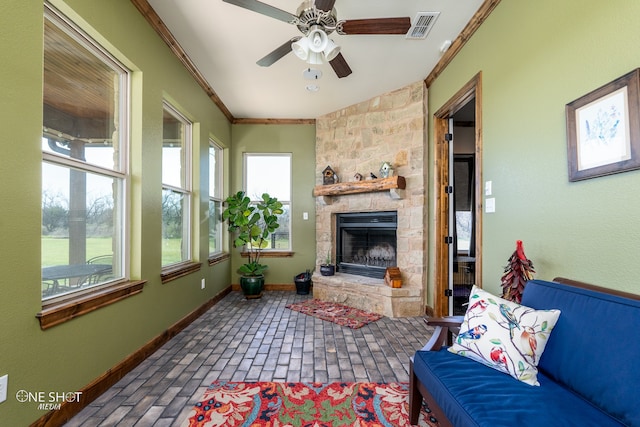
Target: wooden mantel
391	184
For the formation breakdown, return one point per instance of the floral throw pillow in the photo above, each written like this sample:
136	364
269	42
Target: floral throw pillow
504	335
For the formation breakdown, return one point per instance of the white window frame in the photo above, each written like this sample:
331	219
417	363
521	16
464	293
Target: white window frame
216	194
185	189
286	203
119	173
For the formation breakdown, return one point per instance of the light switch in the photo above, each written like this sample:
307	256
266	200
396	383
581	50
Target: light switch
4	380
488	188
305	215
490	205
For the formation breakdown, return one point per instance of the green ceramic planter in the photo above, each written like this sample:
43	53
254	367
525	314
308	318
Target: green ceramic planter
252	286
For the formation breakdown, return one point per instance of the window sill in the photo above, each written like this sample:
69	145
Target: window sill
176	271
58	313
271	254
218	258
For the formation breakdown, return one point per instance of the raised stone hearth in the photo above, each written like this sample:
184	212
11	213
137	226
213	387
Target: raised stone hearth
368	294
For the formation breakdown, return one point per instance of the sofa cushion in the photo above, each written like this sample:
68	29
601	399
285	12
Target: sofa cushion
471	394
593	350
504	335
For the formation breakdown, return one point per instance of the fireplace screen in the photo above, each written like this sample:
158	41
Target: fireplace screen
366	243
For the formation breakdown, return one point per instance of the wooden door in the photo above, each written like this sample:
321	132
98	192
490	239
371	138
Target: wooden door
471	92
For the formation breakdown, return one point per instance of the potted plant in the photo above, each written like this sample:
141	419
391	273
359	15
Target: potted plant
327	269
303	283
252	225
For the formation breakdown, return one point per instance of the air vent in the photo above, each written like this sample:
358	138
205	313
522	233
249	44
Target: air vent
422	24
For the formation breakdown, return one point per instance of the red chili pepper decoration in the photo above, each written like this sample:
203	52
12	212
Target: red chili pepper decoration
517	273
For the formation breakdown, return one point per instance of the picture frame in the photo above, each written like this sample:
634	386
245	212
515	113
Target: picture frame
603	129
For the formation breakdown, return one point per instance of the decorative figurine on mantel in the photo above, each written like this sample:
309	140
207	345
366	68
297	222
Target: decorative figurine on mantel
386	170
329	176
358	176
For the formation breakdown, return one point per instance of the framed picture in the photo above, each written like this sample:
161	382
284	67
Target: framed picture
603	129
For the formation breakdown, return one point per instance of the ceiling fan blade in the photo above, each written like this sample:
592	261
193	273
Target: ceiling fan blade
340	66
376	26
264	9
278	53
325	5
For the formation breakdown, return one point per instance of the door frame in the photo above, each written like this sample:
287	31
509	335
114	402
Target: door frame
471	90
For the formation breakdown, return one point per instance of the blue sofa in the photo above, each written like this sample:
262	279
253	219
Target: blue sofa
589	372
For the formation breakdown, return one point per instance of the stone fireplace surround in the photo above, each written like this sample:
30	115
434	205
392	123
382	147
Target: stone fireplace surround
358	139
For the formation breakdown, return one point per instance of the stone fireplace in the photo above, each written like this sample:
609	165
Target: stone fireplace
357	140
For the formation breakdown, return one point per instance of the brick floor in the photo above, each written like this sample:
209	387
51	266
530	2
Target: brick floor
254	340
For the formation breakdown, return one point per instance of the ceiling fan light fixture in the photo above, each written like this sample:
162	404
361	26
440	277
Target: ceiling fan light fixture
315	58
331	51
318	39
301	48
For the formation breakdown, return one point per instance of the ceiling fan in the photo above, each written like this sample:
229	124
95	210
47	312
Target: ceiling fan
316	19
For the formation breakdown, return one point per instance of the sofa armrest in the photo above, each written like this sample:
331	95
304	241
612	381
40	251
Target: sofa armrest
445	328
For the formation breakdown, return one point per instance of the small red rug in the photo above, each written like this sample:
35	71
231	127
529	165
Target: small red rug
270	404
337	313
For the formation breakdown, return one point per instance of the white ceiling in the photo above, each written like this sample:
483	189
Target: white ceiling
225	41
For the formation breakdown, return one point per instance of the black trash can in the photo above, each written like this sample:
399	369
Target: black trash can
303	283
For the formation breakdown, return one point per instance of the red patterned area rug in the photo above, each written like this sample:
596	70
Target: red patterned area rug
337	313
240	404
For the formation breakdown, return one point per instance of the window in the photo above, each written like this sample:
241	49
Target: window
215	198
464	203
84	163
271	173
176	187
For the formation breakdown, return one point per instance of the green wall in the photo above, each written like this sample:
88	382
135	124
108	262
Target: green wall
299	140
69	356
535	57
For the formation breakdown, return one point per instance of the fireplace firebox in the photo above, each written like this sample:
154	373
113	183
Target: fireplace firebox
366	242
